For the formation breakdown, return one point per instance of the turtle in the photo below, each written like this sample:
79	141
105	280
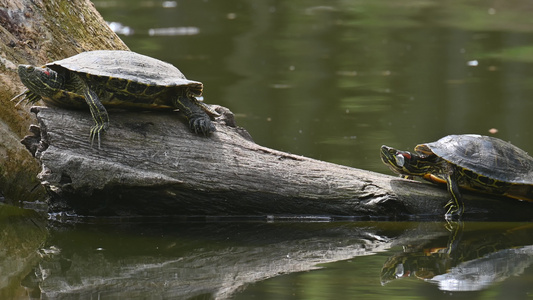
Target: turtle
116	78
468	161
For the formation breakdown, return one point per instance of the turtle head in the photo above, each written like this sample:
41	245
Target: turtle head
405	162
42	81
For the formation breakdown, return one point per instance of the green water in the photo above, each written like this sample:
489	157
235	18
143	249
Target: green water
253	259
332	80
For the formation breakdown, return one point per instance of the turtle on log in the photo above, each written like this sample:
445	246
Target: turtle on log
115	78
470	161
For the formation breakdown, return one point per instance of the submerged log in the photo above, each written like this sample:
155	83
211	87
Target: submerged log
151	164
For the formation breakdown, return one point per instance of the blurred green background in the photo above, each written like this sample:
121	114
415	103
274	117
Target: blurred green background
334	80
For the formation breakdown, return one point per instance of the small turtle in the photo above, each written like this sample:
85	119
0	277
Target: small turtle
119	79
470	161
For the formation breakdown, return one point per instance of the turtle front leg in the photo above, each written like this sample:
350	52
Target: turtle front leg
456	205
199	120
99	113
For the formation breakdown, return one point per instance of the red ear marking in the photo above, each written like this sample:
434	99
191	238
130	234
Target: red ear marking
47	72
406	155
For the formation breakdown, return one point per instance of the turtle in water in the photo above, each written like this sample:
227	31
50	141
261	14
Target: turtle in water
116	78
470	161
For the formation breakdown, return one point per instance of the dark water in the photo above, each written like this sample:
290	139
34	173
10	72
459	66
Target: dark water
332	80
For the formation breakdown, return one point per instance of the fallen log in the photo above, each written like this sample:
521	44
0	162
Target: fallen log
151	164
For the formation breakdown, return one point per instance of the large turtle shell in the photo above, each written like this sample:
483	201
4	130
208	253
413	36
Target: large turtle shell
128	66
487	156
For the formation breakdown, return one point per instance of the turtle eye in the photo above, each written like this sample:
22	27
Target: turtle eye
30	69
400	160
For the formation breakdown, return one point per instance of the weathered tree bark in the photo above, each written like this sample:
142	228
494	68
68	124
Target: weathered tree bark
151	164
37	32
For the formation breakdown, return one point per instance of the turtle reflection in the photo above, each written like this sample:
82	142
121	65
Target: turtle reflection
465	260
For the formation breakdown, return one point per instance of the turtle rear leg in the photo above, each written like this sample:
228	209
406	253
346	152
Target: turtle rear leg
199	120
455	205
99	113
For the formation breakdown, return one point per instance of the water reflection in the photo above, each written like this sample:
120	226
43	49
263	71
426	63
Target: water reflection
22	233
467	260
189	259
171	259
481	258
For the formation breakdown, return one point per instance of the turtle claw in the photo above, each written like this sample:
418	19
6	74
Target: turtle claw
95	132
27	95
202	125
454	211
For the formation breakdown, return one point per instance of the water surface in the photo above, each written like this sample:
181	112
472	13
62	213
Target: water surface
280	259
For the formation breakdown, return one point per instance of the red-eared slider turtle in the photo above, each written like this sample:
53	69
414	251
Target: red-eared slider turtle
116	78
470	161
